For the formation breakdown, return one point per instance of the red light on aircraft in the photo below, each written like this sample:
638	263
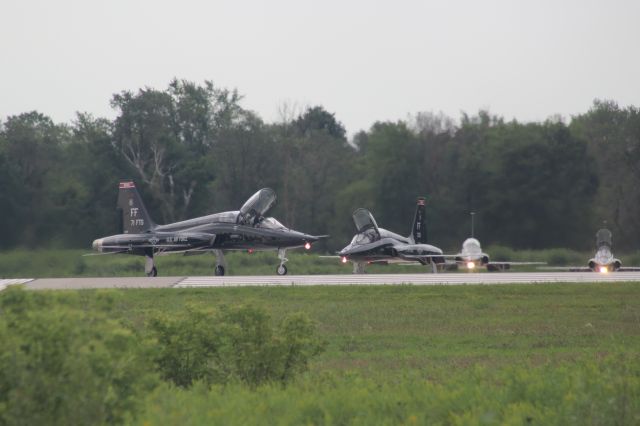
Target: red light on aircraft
307	245
250	251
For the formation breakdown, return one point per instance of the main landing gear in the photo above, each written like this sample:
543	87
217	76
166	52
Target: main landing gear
149	266
220	263
282	268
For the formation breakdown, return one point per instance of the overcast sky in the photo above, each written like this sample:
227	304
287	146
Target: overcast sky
362	60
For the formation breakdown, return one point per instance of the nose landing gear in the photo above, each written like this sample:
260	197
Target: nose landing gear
149	267
282	269
220	263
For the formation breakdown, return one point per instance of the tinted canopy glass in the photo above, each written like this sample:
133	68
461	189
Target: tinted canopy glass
364	220
471	245
270	223
604	237
257	205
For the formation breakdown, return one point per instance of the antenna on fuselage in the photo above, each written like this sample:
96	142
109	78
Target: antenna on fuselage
472	215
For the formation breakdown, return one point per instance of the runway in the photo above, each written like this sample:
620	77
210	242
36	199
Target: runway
311	280
410	279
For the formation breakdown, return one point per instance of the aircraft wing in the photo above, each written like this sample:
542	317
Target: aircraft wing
159	246
103	254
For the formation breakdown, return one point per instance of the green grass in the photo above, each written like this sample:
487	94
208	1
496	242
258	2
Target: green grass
585	393
552	354
72	263
434	329
557	354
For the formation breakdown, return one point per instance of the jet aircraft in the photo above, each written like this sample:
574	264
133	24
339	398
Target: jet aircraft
372	244
472	257
246	229
603	261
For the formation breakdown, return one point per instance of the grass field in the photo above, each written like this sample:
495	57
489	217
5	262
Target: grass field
558	354
72	263
509	354
435	329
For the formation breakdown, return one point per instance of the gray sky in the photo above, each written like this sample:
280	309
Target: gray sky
363	60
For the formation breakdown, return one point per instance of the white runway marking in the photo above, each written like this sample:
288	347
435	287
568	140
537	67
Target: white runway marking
4	283
414	279
309	280
110	282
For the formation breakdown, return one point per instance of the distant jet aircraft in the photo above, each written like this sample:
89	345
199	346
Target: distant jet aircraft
246	229
603	261
472	257
378	246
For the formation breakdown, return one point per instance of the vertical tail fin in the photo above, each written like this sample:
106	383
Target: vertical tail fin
419	229
135	219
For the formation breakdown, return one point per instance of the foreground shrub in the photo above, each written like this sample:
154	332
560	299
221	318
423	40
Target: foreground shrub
233	344
585	392
64	365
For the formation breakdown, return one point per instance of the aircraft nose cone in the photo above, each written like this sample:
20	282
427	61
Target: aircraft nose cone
97	244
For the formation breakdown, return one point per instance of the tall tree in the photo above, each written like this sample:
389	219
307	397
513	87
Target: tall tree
33	145
612	135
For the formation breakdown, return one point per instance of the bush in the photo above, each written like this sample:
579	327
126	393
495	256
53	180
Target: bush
233	344
63	365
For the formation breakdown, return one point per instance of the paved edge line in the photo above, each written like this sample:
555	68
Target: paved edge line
4	283
405	279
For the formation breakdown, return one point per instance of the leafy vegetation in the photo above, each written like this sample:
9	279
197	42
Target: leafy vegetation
193	149
61	364
512	354
66	360
234	345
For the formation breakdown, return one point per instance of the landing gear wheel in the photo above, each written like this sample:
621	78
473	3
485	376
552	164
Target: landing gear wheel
281	270
219	271
153	273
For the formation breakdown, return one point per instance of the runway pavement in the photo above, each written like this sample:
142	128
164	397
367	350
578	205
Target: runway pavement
411	279
86	283
308	280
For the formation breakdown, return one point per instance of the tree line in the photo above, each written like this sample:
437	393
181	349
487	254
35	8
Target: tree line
193	149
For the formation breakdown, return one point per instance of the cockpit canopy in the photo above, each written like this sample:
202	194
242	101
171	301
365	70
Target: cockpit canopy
257	206
365	237
604	238
471	246
363	219
366	227
270	223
